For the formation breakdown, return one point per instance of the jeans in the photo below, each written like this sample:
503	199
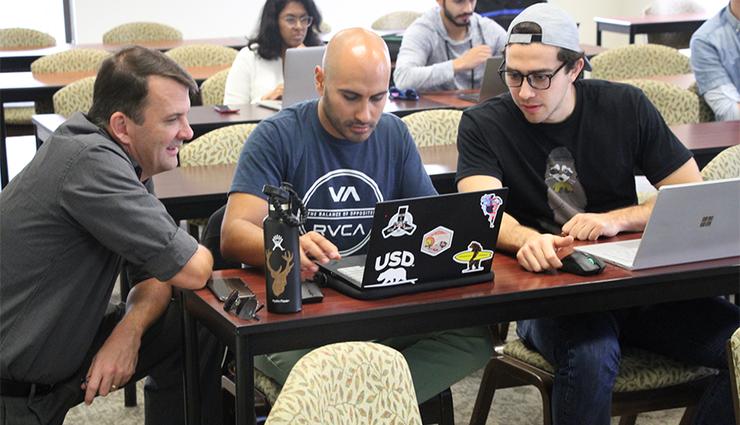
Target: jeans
585	352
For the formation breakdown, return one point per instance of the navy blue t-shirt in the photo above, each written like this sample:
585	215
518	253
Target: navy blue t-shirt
340	181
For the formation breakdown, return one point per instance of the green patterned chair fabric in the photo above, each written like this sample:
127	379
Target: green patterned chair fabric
433	127
348	383
18	38
212	89
18	114
399	20
638	61
324	28
202	55
267	386
639	369
725	165
133	32
220	146
74	60
676	105
74	97
733	359
705	112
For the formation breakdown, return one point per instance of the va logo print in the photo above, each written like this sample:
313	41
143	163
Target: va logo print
344	193
473	257
400	224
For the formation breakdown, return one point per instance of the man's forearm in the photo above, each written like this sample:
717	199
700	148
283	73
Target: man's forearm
513	235
146	303
243	241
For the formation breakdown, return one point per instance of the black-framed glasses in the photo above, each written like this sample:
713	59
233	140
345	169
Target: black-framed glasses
245	308
536	80
293	21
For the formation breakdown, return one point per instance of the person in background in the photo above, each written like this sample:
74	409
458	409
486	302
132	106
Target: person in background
257	71
446	48
715	58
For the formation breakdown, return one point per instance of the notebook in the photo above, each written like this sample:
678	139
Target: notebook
690	222
425	243
492	85
299	77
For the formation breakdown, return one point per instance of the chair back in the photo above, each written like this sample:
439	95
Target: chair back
211	239
639	61
74	97
19	38
725	165
733	358
220	146
348	383
133	32
74	60
213	88
676	105
202	55
399	20
705	112
433	127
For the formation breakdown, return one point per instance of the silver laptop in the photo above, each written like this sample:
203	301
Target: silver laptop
299	77
690	222
492	85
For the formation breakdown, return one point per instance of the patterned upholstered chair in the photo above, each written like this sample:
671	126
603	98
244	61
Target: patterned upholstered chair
646	381
202	55
74	60
212	89
399	20
726	165
733	359
134	32
676	105
74	97
324	28
220	146
433	127
348	383
638	61
20	38
705	112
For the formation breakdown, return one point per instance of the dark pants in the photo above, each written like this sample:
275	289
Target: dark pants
160	360
585	351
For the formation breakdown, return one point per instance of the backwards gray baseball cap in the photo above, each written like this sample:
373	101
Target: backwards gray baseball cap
558	28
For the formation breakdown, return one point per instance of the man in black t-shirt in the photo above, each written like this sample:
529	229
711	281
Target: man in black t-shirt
567	150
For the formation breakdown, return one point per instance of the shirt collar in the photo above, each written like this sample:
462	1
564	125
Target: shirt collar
731	19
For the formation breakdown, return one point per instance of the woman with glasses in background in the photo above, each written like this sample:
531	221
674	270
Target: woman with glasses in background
257	72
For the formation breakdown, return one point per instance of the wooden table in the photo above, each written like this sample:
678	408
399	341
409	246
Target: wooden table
18	60
687	22
513	295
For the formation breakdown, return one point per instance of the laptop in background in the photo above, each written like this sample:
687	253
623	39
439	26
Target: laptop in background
491	86
690	222
298	77
419	244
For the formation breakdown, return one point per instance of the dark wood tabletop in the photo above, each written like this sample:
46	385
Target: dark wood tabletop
632	25
512	295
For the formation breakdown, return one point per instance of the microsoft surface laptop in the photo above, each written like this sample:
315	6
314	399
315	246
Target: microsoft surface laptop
299	77
690	222
418	244
492	85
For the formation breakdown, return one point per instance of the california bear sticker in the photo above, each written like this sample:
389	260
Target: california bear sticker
473	257
489	204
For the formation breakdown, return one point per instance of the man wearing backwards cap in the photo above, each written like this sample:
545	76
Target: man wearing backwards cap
566	148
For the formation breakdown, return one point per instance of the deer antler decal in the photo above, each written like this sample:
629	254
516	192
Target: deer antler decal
280	276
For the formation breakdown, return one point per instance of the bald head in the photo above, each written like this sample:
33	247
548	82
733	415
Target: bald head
356	49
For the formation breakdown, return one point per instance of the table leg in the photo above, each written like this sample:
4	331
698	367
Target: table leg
632	36
244	382
598	35
4	175
190	338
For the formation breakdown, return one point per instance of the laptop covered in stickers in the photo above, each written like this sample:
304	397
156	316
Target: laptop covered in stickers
425	243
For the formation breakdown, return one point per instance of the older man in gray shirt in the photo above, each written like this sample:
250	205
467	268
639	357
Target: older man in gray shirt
447	47
68	220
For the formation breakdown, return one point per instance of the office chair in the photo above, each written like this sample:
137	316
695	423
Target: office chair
74	97
133	32
348	383
639	61
398	20
705	111
212	89
646	381
725	165
202	55
433	127
733	359
676	105
74	60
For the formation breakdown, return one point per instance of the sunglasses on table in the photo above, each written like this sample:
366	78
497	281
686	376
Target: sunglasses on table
397	94
245	308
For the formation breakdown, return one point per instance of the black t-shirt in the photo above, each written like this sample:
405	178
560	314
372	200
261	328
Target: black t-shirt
585	163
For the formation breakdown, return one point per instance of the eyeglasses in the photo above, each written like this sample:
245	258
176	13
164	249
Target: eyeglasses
536	80
245	308
293	21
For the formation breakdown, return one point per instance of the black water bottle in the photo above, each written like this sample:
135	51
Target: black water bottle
282	249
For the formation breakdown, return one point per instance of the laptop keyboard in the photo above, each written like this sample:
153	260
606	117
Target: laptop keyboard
623	252
353	273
